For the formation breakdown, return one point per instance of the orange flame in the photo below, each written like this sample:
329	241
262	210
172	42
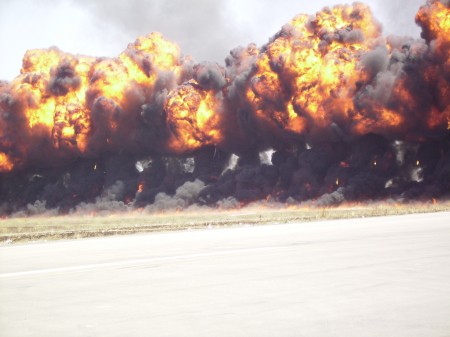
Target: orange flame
5	164
194	113
141	188
302	82
319	61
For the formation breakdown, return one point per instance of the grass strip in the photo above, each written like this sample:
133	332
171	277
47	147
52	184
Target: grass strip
21	230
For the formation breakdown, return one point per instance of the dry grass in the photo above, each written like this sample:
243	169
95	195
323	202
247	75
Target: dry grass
75	227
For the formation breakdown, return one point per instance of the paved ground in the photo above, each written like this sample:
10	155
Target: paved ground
363	277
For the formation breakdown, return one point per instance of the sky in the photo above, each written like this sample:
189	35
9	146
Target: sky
205	29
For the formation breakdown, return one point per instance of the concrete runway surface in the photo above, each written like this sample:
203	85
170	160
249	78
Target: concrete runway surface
385	276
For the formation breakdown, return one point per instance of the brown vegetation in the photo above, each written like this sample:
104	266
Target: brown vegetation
77	227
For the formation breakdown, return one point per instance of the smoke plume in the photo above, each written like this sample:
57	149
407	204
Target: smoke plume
345	114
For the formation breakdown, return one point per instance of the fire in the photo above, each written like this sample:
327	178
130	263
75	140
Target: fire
328	95
61	96
195	115
434	18
141	188
52	87
52	80
5	163
148	55
139	64
309	73
304	80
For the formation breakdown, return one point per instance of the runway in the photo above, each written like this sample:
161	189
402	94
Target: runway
384	276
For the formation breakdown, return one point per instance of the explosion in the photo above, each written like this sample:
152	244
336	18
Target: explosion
347	115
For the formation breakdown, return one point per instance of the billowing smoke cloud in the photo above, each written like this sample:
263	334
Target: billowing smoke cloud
347	114
205	29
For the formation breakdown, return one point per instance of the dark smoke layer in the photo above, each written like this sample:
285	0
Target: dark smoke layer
327	112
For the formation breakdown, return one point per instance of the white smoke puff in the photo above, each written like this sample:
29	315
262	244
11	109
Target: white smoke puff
291	201
164	202
239	66
375	60
331	199
390	202
241	59
228	203
417	50
433	46
185	196
236	89
196	209
210	75
113	191
151	113
186	69
189	191
380	90
189	165
398	56
36	209
6	100
101	207
265	157
166	80
352	36
384	84
106	204
398	41
308	204
294	32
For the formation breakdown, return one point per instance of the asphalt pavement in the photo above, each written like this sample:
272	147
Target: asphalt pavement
385	276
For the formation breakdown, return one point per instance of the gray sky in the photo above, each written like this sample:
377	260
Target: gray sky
205	29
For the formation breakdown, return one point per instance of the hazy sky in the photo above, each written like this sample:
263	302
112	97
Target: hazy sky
205	29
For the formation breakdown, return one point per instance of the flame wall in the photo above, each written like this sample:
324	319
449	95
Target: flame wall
348	113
